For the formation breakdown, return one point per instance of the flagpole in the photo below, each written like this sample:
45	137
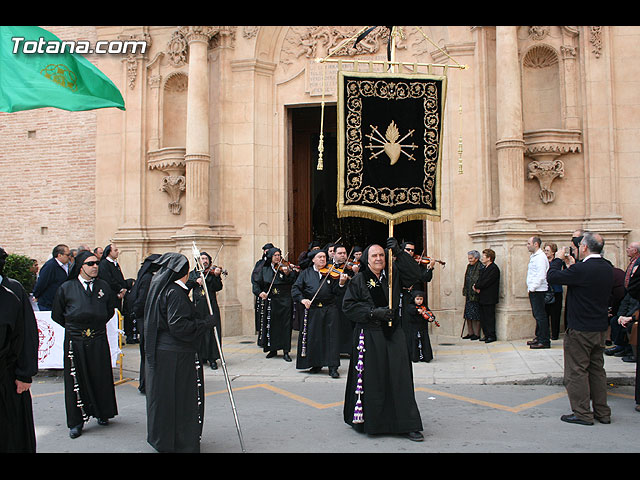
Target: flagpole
390	270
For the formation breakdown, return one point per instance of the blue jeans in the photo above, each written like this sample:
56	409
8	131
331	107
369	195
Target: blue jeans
542	320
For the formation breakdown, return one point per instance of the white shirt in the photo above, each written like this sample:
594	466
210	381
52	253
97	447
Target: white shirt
537	272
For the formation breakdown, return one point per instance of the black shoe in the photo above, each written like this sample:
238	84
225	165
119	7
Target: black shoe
286	357
272	354
314	369
415	436
490	339
75	432
214	365
629	358
533	342
605	420
103	421
334	373
612	350
467	337
474	337
537	346
573	419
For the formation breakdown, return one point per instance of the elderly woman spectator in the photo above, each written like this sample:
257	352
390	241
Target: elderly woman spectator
471	305
487	287
554	308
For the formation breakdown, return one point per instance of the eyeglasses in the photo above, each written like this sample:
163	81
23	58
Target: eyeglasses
91	263
410	249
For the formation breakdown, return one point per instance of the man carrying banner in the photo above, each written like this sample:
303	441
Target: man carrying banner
379	397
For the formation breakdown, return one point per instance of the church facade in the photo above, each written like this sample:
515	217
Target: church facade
218	148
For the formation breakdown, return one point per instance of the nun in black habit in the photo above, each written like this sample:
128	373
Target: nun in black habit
83	305
18	363
138	296
274	287
173	376
379	396
319	338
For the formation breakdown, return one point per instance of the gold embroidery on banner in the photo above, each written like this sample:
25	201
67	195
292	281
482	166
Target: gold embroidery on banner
62	75
389	143
390	90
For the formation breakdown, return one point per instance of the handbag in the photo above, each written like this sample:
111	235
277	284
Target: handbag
549	296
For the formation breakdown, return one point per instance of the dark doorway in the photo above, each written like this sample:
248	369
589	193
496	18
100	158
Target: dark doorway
314	192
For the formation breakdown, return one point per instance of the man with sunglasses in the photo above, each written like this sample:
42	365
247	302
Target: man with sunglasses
83	305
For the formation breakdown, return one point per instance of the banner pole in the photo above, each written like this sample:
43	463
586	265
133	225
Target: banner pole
390	270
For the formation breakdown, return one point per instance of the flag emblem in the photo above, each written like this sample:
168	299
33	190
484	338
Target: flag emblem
62	75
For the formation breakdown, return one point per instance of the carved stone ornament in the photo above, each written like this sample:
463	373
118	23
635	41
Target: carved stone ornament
545	146
546	171
170	161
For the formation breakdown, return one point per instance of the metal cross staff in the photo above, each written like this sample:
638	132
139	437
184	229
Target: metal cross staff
200	268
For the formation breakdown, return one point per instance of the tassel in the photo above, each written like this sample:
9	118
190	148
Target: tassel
358	414
303	350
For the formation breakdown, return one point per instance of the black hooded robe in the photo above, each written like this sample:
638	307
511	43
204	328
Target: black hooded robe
319	337
384	401
416	329
208	349
88	375
18	361
277	310
174	377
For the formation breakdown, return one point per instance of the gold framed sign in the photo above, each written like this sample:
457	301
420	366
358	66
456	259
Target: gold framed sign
390	145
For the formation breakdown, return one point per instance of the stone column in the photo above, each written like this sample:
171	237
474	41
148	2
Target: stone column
197	156
510	143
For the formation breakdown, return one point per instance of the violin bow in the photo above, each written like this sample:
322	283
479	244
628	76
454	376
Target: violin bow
200	268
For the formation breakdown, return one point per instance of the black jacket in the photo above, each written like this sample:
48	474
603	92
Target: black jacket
589	284
489	284
52	275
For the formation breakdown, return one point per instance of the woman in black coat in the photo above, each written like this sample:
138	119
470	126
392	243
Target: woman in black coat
487	287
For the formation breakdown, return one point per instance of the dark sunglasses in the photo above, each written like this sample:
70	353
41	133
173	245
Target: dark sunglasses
91	263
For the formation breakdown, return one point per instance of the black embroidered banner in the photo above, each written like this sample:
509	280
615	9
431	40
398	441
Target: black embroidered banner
390	145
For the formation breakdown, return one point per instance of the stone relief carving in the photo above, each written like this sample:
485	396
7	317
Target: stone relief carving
595	38
171	162
545	146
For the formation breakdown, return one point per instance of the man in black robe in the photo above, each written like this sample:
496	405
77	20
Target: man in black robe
18	363
208	351
379	396
340	258
110	272
174	377
83	305
273	285
319	338
138	296
255	273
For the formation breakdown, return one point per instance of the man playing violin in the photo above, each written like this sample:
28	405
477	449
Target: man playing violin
318	290
341	264
208	351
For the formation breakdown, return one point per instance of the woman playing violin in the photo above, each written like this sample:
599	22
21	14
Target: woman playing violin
273	285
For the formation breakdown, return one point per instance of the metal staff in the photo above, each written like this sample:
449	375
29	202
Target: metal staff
200	268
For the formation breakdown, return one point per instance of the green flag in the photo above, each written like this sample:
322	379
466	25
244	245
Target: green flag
32	77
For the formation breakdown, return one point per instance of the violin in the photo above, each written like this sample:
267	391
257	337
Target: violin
427	314
213	267
422	260
288	265
333	272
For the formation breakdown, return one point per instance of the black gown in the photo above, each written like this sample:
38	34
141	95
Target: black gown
88	374
18	361
276	312
319	337
384	401
208	348
173	374
417	331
